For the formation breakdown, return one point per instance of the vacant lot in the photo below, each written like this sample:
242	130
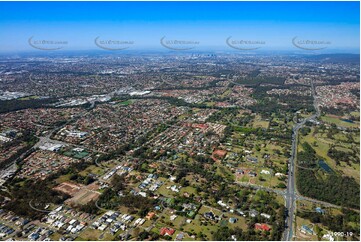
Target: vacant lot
83	197
68	188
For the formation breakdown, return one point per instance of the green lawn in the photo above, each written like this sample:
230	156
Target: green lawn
321	144
93	169
63	178
126	103
29	98
339	122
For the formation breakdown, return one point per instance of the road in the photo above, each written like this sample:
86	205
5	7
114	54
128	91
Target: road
42	140
283	193
291	194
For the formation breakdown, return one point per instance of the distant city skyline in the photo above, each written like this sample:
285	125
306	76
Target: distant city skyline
318	27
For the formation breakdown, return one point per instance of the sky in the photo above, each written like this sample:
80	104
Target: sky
205	25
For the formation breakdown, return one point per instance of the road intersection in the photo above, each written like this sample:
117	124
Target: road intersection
291	194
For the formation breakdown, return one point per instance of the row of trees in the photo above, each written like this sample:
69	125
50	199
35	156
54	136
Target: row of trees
342	156
15	104
307	158
336	189
31	196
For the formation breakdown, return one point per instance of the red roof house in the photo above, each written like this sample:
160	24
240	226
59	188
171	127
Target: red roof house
166	231
263	227
218	154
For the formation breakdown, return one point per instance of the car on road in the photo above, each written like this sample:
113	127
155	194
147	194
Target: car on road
286	213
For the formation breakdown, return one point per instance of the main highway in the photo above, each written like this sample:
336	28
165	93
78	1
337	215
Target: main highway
291	192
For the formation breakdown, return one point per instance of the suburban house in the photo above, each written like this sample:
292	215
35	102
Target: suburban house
166	231
263	227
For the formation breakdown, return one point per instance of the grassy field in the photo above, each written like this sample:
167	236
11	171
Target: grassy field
310	206
78	155
209	104
224	171
29	98
63	178
279	162
320	147
354	113
307	206
93	169
89	234
126	103
226	93
163	189
300	236
207	227
260	123
353	171
339	122
55	237
321	144
189	190
196	226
